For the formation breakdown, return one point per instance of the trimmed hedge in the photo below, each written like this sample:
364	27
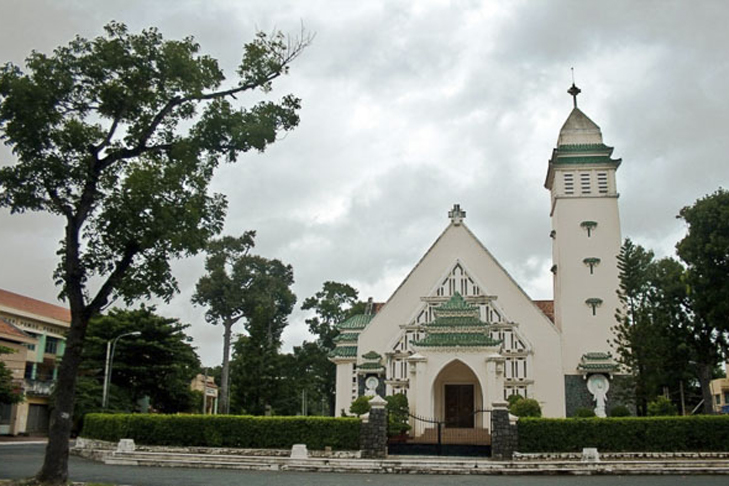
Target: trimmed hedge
701	433
225	430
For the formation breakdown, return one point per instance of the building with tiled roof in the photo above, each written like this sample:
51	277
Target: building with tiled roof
35	332
460	336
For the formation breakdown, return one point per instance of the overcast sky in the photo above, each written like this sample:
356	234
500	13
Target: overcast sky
412	106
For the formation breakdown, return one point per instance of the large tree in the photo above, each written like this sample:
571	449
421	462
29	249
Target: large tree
650	336
159	363
119	136
334	303
241	285
705	250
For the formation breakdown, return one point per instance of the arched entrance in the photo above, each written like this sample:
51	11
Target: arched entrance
457	396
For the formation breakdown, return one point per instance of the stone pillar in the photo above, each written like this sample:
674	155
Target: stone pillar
504	434
373	435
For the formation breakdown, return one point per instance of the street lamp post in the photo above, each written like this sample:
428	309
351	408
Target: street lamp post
110	348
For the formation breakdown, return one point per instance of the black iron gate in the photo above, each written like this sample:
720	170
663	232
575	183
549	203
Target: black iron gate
446	437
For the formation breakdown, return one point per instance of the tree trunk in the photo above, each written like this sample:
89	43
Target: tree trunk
705	372
224	407
55	465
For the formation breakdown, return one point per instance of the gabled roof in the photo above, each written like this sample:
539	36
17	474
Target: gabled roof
9	332
457	245
10	301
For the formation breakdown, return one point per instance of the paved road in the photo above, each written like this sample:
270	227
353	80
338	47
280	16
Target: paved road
24	460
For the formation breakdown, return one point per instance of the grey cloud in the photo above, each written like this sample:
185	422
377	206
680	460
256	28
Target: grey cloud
410	107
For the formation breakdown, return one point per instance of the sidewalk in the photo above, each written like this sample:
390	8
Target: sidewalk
23	439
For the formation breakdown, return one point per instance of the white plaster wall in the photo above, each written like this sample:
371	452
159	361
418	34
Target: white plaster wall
343	387
458	243
581	331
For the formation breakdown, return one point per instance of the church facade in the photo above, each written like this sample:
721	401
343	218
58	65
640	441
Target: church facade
459	334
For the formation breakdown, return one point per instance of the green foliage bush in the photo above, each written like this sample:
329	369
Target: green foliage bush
526	407
513	398
398	417
662	407
701	433
225	430
584	412
620	411
360	406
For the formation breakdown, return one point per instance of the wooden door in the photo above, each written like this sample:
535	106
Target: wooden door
459	406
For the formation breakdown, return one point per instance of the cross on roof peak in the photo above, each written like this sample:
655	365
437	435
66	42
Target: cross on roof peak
574	90
456	214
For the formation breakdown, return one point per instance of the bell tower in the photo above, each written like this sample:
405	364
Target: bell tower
585	240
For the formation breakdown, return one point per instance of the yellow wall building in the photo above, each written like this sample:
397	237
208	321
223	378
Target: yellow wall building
720	393
35	331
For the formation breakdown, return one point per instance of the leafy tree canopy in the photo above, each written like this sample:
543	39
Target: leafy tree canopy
705	250
120	135
160	363
241	285
652	339
334	303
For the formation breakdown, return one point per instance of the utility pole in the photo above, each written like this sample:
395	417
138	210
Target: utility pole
205	392
110	348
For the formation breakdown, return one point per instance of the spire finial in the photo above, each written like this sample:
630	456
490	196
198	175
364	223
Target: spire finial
456	214
574	90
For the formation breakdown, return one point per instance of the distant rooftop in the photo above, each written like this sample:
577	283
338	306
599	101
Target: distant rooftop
21	303
9	332
547	308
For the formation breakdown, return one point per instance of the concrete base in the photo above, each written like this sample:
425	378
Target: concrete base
701	463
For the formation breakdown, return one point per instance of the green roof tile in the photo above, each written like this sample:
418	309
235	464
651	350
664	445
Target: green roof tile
356	322
349	337
456	339
456	322
456	303
587	159
584	147
370	366
372	355
343	352
597	361
598	366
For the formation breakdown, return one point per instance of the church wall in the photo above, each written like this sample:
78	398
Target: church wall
582	331
344	387
457	243
578	396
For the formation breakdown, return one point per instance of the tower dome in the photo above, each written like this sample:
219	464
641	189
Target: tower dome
579	130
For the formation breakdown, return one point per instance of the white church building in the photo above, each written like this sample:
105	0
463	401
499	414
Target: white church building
459	334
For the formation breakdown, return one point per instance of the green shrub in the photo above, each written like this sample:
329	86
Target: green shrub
513	398
662	407
620	411
225	430
623	434
526	407
398	414
360	406
584	412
